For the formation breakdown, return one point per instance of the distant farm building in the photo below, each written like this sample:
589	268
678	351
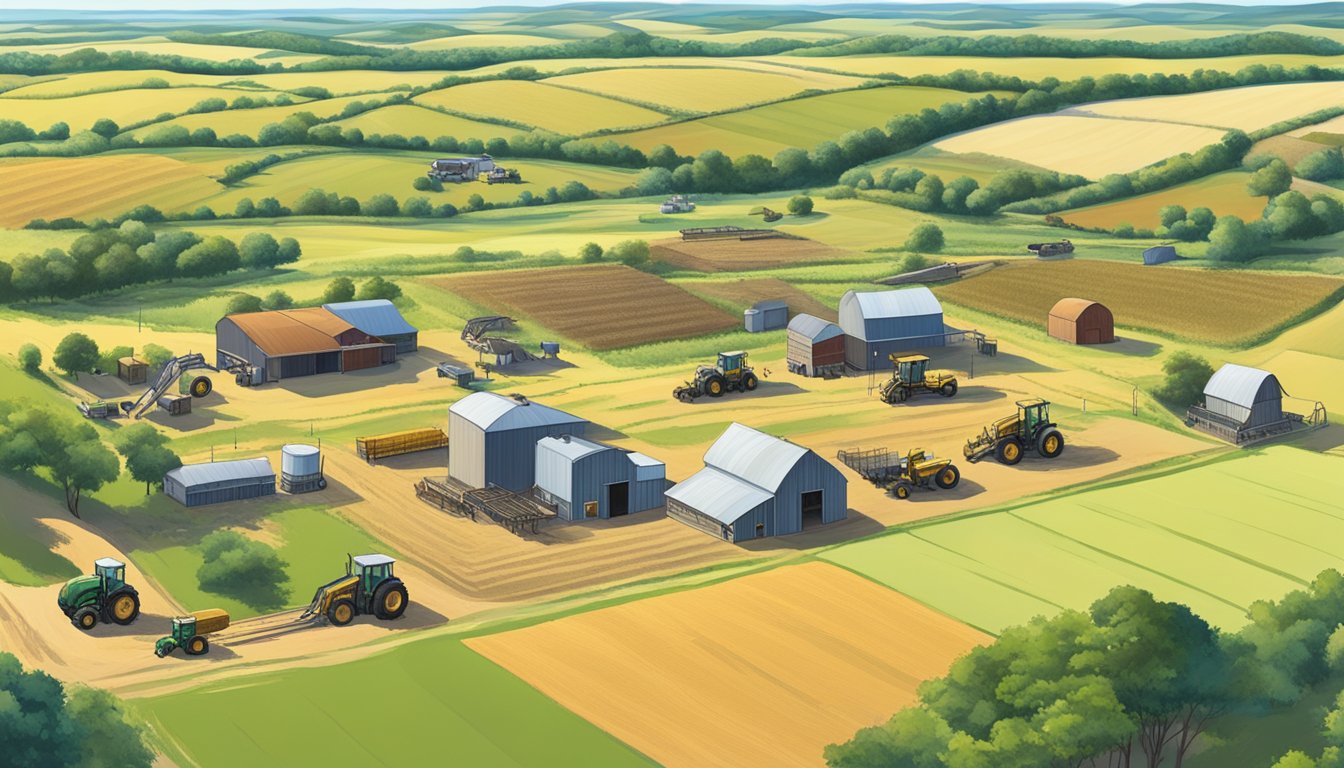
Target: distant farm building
492	439
1159	254
766	316
881	322
1244	405
586	480
756	485
196	484
298	342
815	347
381	319
1079	321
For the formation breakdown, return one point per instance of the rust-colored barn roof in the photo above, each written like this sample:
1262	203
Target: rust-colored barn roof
320	319
279	334
1070	309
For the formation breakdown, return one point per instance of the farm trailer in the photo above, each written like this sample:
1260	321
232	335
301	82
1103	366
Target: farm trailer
515	512
377	447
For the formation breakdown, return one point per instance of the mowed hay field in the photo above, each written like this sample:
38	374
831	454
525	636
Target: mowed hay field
552	108
1214	306
602	307
1086	145
415	120
1247	109
702	89
101	185
122	107
1223	193
762	670
250	121
1217	538
803	123
741	255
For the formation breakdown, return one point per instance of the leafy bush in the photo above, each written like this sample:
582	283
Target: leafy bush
800	205
925	238
30	358
339	290
590	253
76	354
239	567
378	288
242	303
1186	375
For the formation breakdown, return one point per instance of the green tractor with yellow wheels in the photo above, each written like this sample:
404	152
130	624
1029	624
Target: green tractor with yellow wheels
1010	438
102	596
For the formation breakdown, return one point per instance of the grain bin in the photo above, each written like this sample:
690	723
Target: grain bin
301	468
754	320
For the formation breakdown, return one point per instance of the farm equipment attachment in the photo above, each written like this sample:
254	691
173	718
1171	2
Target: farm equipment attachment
102	596
200	386
730	373
767	214
368	586
1007	439
911	376
189	632
901	475
99	409
1046	250
498	175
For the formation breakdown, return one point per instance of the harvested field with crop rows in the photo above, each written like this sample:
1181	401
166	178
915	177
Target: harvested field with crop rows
741	255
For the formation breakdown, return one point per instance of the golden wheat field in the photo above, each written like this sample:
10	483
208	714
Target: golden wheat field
1247	109
415	120
1223	193
1213	306
539	105
1086	145
762	670
102	185
1036	68
122	107
703	89
596	305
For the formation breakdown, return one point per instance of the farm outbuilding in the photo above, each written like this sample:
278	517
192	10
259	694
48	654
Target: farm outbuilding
492	439
756	485
586	480
298	342
766	316
815	347
1079	321
132	370
196	484
379	318
1159	254
1245	405
879	323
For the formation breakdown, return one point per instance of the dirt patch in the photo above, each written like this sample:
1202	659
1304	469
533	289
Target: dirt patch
601	307
748	292
719	675
1290	149
1221	307
741	255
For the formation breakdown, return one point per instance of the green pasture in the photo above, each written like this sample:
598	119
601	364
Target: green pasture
369	712
1217	537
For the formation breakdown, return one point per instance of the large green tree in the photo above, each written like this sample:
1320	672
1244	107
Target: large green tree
76	354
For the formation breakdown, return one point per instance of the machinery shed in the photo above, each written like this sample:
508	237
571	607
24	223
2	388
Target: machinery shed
379	318
878	323
755	485
1080	321
297	342
586	480
196	484
1159	254
815	347
1248	396
766	316
492	439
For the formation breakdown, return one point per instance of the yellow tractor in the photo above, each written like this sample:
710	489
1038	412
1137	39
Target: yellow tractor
1030	429
911	376
368	586
900	478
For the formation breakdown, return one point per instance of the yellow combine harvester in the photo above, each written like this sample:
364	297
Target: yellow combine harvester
911	376
1030	429
368	586
902	475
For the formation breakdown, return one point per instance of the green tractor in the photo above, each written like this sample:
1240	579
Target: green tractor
189	632
368	586
729	374
1030	429
102	596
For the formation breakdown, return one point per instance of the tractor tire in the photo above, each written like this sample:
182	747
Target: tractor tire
949	389
390	600
341	612
1009	451
1050	443
750	382
201	386
902	394
715	386
197	646
85	618
948	477
902	490
123	608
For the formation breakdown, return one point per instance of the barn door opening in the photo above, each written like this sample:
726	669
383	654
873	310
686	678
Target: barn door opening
618	499
812	502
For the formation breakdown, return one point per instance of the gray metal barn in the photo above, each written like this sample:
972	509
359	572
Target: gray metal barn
381	318
766	316
1248	396
755	485
1159	254
492	439
881	322
221	481
586	480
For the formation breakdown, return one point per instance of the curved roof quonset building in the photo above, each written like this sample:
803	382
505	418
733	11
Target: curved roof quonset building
1248	396
878	323
755	485
492	439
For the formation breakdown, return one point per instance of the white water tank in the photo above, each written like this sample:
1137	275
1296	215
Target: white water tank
299	460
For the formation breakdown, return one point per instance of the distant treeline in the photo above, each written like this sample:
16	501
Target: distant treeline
1017	46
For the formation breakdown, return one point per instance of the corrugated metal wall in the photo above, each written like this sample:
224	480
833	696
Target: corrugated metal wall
466	451
745	528
230	338
883	328
510	456
648	494
174	490
216	494
554	474
363	357
802	351
811	473
1095	325
405	343
1266	408
872	355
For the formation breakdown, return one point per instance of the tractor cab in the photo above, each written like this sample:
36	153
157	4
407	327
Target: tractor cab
911	369
371	570
1032	414
184	628
111	573
731	363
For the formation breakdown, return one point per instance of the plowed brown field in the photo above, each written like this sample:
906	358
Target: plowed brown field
741	255
601	307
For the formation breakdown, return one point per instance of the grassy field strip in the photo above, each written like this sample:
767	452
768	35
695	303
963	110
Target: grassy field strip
1218	537
250	121
543	106
1223	193
122	107
1036	68
415	120
702	89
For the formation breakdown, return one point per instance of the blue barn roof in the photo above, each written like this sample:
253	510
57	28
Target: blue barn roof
376	317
